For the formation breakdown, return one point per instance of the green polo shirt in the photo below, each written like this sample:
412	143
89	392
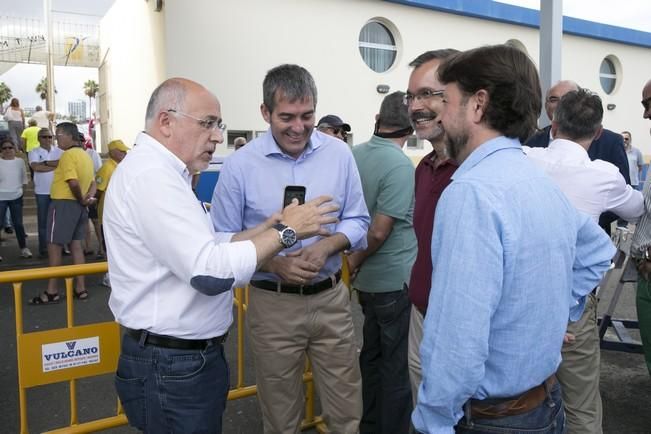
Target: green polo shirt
388	181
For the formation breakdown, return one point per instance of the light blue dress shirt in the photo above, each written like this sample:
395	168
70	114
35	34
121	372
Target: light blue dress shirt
252	185
511	256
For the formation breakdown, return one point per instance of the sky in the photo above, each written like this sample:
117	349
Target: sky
22	79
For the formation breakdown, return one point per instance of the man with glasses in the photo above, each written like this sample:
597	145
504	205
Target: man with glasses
635	161
171	274
332	125
641	253
43	160
609	146
298	303
433	174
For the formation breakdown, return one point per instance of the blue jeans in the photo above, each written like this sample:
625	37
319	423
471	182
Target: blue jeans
42	204
547	418
16	209
386	392
166	390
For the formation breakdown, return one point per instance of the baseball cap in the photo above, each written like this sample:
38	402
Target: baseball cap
119	145
334	121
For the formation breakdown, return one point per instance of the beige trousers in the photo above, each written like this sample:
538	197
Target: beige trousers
579	374
413	356
282	328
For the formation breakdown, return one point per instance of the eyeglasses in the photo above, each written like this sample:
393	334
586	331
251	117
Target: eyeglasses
208	124
336	131
421	96
44	137
646	103
553	99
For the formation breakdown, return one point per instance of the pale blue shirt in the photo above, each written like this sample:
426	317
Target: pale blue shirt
252	184
510	256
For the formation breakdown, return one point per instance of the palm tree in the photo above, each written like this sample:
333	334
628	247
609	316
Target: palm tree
41	89
5	94
90	90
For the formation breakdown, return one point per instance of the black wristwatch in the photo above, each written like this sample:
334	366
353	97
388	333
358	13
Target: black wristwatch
287	235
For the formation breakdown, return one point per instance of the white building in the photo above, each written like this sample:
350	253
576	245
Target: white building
353	48
77	109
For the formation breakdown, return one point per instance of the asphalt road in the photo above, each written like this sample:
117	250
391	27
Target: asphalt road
625	382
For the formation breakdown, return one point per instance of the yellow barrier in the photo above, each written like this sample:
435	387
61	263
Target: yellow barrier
98	351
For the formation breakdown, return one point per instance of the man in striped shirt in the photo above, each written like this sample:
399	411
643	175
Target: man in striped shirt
641	253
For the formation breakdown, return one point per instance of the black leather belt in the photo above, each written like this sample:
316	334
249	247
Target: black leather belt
312	289
148	338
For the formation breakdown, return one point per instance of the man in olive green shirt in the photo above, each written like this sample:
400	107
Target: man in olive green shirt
381	272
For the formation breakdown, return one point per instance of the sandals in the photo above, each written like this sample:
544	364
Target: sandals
51	299
83	295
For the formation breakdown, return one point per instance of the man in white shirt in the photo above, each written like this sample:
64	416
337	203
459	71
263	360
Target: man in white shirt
42	117
171	274
593	187
43	160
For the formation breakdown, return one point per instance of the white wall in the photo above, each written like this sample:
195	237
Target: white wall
132	41
229	46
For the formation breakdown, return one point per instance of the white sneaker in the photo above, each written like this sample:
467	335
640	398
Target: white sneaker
25	253
106	281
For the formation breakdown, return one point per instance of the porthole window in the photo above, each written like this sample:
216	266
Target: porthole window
377	46
608	75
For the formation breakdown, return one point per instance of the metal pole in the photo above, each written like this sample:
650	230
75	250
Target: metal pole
551	34
49	102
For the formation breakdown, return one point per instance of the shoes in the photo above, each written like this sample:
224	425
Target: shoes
9	230
66	251
42	255
106	281
25	253
49	299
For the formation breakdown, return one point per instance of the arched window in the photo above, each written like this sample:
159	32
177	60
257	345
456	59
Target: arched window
377	45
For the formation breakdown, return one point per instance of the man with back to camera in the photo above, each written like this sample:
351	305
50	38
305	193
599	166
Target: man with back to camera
72	190
332	125
382	270
593	187
609	146
298	303
487	362
172	293
433	174
641	254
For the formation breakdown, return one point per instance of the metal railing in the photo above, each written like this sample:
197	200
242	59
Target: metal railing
31	371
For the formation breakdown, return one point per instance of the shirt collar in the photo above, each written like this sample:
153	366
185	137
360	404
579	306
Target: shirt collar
270	146
569	148
484	150
145	140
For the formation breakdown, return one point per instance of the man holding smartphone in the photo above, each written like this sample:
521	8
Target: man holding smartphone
298	303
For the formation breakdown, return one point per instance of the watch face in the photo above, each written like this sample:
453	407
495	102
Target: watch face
288	236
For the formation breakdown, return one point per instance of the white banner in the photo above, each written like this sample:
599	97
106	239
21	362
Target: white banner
70	354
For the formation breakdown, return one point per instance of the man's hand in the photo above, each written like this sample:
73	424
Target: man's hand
315	254
308	219
569	338
292	269
355	260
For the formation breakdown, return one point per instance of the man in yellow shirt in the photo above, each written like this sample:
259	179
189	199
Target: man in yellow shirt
30	136
117	151
73	189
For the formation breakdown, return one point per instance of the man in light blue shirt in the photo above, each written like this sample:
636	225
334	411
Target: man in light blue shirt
510	254
298	303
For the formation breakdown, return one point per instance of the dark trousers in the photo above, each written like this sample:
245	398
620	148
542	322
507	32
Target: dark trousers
166	390
16	208
42	205
547	418
386	392
643	304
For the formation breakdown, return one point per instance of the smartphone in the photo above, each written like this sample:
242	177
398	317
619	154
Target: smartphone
294	192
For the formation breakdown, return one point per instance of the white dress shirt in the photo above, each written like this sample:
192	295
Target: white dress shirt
593	187
164	256
43	180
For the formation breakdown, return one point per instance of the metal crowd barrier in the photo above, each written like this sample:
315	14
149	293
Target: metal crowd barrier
75	352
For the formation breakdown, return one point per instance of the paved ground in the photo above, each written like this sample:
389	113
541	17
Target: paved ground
625	383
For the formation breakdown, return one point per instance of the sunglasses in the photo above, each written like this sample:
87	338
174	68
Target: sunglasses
45	137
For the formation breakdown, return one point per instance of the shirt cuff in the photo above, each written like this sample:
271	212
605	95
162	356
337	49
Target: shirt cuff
224	237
